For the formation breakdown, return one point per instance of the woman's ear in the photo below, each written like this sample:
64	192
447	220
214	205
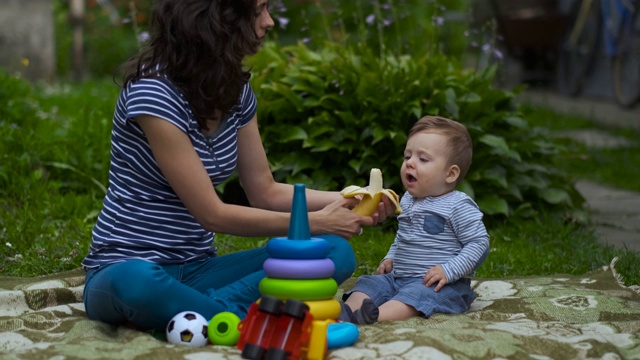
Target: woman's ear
452	174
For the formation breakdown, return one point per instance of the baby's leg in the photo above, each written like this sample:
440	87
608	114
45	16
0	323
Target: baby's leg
355	300
366	312
396	310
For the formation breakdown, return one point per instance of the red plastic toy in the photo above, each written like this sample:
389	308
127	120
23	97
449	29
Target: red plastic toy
275	330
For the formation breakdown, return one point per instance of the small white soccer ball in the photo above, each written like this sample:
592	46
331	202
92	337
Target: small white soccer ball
188	328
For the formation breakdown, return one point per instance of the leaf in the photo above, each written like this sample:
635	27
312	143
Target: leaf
530	181
64	166
470	98
496	142
451	104
555	196
466	187
497	174
499	146
493	205
517	122
289	133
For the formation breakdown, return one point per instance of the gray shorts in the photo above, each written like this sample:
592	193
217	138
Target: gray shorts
453	298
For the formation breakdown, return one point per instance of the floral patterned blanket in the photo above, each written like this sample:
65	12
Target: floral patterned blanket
551	317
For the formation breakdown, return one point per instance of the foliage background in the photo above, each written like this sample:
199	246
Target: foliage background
339	82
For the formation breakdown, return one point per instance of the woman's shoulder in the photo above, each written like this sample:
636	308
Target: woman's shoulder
158	84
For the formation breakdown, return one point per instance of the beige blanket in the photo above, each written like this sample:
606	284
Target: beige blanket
551	317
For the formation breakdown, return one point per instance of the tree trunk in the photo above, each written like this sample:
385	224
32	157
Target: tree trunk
76	18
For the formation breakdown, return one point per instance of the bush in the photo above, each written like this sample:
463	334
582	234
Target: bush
328	116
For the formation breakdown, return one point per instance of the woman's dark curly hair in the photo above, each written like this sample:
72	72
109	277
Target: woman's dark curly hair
199	45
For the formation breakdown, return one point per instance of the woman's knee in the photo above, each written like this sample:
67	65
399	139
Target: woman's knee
343	257
130	278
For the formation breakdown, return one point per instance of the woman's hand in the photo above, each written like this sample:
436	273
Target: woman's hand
338	219
385	209
385	267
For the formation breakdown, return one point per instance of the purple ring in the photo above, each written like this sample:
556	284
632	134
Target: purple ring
299	268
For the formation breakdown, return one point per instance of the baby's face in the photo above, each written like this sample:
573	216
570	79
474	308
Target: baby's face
425	167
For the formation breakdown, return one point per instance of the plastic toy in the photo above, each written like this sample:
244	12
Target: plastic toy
342	334
318	341
324	309
188	328
282	248
308	289
299	269
371	194
223	329
292	318
275	330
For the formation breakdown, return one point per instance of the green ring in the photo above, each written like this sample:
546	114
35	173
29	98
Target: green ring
223	329
303	290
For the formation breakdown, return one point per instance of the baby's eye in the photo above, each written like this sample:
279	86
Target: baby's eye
424	159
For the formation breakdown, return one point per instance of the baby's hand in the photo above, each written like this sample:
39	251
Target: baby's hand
385	267
435	275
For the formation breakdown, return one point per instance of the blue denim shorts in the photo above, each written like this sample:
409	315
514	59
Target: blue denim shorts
454	298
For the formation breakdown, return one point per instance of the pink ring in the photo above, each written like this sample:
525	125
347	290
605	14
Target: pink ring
299	268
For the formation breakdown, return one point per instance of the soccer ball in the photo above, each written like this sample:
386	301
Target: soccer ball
188	328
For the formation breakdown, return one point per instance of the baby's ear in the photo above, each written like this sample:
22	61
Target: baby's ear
452	174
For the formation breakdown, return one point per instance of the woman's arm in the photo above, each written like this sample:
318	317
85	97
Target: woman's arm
184	171
257	179
264	192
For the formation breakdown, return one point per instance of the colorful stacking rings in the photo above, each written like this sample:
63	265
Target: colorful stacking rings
303	290
299	269
283	248
324	309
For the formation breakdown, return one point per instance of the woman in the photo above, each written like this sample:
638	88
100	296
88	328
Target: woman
184	121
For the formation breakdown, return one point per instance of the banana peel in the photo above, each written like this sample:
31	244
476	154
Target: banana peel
371	195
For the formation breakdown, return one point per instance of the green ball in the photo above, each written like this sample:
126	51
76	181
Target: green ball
223	329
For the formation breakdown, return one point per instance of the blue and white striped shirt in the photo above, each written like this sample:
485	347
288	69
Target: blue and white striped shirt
142	217
446	230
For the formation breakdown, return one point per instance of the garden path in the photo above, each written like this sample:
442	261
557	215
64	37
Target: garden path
616	212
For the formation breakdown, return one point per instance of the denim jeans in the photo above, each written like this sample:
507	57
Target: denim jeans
148	295
453	298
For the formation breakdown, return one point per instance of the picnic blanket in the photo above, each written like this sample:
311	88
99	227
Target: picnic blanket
544	317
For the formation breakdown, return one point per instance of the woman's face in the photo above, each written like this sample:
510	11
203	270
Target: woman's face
264	22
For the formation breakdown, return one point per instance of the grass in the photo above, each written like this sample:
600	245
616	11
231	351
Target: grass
54	167
615	166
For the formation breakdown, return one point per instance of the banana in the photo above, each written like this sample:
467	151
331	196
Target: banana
371	194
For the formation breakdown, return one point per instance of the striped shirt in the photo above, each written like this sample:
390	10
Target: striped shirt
446	230
142	217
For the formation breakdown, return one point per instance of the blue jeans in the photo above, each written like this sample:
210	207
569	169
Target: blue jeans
148	295
453	298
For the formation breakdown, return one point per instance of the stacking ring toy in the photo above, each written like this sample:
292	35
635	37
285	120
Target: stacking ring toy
324	309
223	329
283	248
303	290
299	269
341	334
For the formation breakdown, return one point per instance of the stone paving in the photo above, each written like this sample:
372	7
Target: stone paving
615	212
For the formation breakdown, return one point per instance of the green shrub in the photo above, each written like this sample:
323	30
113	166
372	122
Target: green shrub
328	116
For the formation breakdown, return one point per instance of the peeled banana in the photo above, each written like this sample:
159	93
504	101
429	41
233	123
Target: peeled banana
371	194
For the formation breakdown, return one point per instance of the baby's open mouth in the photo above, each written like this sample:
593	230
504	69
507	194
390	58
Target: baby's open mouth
410	178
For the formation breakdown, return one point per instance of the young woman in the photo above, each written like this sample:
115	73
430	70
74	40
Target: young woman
186	120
